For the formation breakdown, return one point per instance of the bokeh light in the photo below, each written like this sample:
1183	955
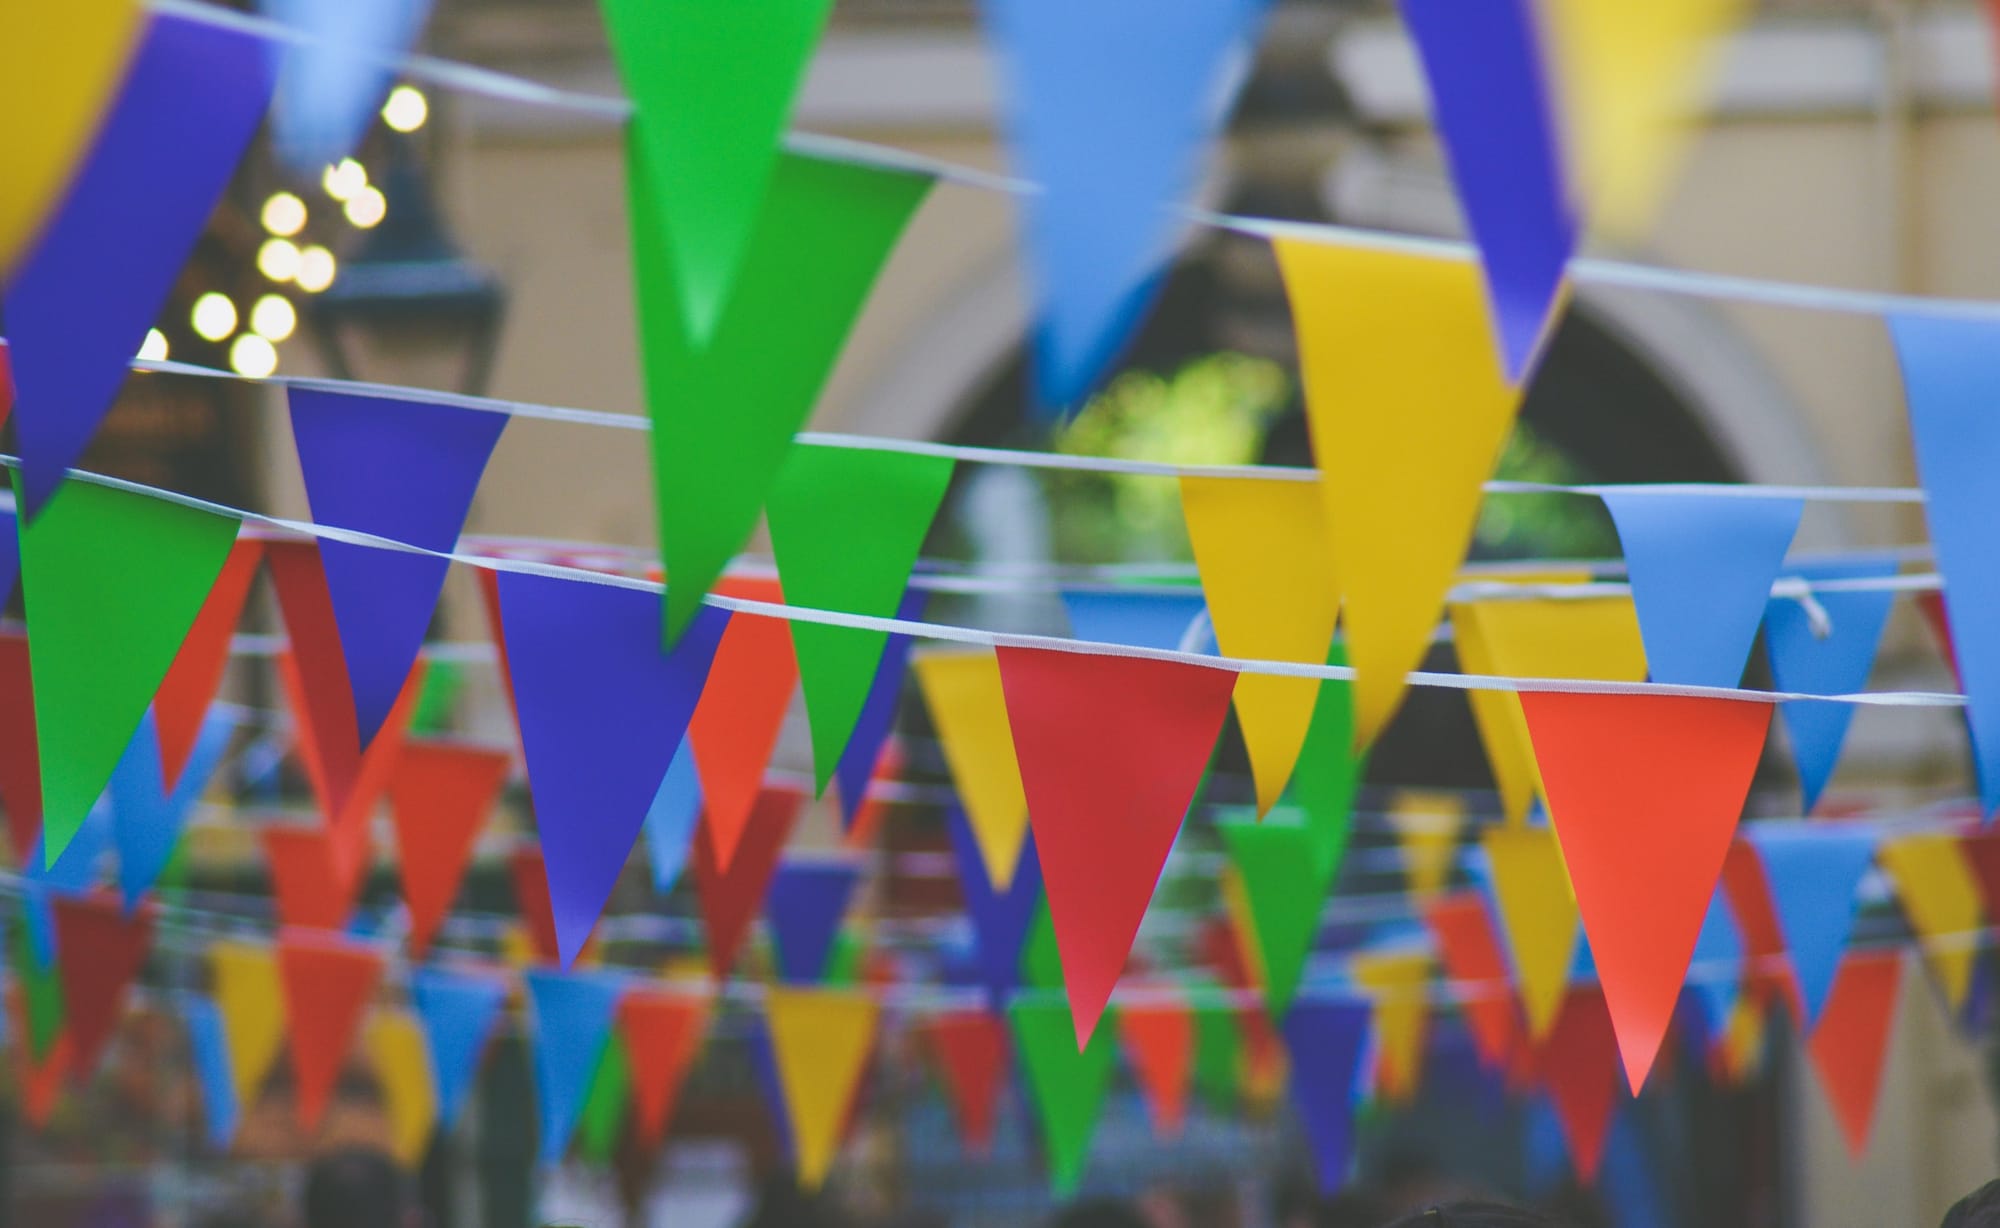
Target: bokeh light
344	179
278	259
154	349
253	356
284	214
213	317
316	269
367	207
406	108
273	318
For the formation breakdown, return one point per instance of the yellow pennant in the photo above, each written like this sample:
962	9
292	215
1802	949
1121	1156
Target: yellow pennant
820	1041
1409	408
1538	916
251	1001
969	708
1941	899
1630	79
402	1060
1243	925
1743	1042
60	68
1398	981
1267	573
1427	826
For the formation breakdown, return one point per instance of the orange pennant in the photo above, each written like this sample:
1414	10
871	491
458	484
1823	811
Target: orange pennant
1472	958
1851	1043
329	984
314	889
663	1034
41	1079
735	726
1749	896
1645	792
530	880
99	951
732	897
1159	1043
971	1049
1578	1064
440	796
182	702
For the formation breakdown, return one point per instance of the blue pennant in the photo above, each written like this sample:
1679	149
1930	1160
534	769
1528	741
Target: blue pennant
1327	1039
1718	961
146	816
1138	620
209	1044
1000	920
333	77
458	1012
805	905
573	1015
1833	659
670	820
1814	872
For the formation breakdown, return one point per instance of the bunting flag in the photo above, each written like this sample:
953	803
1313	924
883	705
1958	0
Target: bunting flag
1850	1047
806	903
820	1043
1941	899
1409	408
101	952
868	746
1830	659
712	471
395	1044
1931	606
1645	792
1814	872
731	899
736	725
663	1035
671	819
604	1104
1470	951
250	997
1750	906
527	874
1285	889
333	78
1158	1038
328	986
314	675
968	705
458	1011
1327	1041
404	471
208	1047
1982	856
1000	918
440	796
146	814
1397	982
181	705
1267	573
312	886
1427	826
20	762
1578	1065
847	525
601	712
1538	916
573	1018
1948	364
1719	957
1111	752
1491	104
1066	1083
117	579
1143	619
1701	569
971	1052
82	297
1218	1057
1110	109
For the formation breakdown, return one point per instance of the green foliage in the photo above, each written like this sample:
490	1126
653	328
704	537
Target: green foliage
1548	526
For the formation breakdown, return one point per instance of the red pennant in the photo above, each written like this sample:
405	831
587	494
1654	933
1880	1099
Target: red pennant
441	796
1473	958
1749	896
972	1054
1111	751
1644	791
732	898
41	1081
1931	606
1851	1043
20	764
6	382
181	704
1578	1064
99	951
328	984
663	1035
489	597
735	726
1159	1044
531	895
868	815
312	882
315	673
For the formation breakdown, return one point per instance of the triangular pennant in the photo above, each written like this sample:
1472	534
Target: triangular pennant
820	1042
334	76
867	747
1828	658
146	814
1716	975
663	1033
1111	751
1814	873
1326	1041
313	889
80	301
711	470
610	1094
1701	569
100	951
736	725
1538	916
1218	1056
313	672
1284	891
247	991
847	525
1000	918
116	580
1645	792
1141	619
208	1054
731	899
528	875
1398	983
1850	1047
328	984
1749	896
1328	773
805	905
1158	1038
671	819
458	1011
968	705
1941	899
397	469
971	1052
40	1076
1409	408
20	762
1111	107
1427	826
1931	606
1491	104
1578	1065
1066	1084
1267	572
1982	856
394	1041
181	705
440	796
1470	951
601	712
573	1016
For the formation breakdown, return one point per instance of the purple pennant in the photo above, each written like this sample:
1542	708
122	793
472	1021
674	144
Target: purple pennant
10	554
805	905
80	305
402	470
1326	1040
878	713
601	711
1000	920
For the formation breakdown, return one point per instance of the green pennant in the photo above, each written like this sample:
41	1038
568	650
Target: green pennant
1329	770
113	580
847	525
713	83
1283	879
1041	959
604	1105
843	963
1067	1087
724	409
1218	1056
41	994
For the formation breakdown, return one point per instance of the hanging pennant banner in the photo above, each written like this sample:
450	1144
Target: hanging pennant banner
20	762
1749	896
867	746
1000	918
971	1052
1814	873
820	1041
1716	974
671	819
663	1035
1066	1084
1139	619
1409	408
458	1011
573	1015
1327	1041
147	815
1832	658
100	952
329	984
1578	1066
332	79
208	1053
805	905
440	796
1470	951
395	1044
1850	1047
1328	772
1158	1038
968	704
1111	751
314	886
1398	982
313	673
181	705
1427	826
1538	915
1940	898
604	1104
736	725
731	899
250	997
1285	891
528	875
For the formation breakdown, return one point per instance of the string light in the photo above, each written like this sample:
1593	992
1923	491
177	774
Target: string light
406	108
213	317
367	208
155	347
316	269
284	214
278	259
344	179
273	318
252	356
